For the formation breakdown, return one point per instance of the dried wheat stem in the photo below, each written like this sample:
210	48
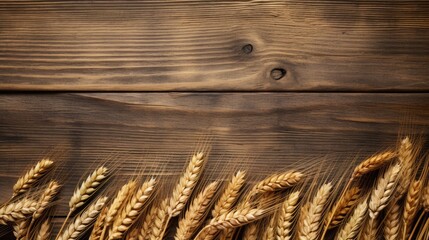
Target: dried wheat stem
312	221
16	211
383	190
132	210
412	203
230	194
83	221
277	182
391	224
87	188
186	185
343	207
97	230
373	163
46	198
353	225
159	222
123	194
286	217
194	215
32	176
45	231
251	232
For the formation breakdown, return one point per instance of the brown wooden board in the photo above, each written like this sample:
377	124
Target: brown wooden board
204	45
158	131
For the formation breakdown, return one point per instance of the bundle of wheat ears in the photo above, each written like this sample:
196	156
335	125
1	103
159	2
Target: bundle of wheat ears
386	196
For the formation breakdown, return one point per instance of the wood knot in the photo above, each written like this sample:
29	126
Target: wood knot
247	49
278	73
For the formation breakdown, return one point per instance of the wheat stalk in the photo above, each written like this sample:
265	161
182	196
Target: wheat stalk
132	210
412	203
25	182
391	223
311	222
230	194
383	190
373	163
83	221
97	230
46	198
186	185
343	206
87	188
45	231
286	217
277	182
16	211
351	228
194	215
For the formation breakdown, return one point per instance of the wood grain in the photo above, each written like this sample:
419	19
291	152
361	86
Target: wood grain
160	130
191	45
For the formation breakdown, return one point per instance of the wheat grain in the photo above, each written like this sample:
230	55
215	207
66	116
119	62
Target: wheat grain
391	224
286	217
132	210
99	224
45	231
373	163
383	190
83	221
277	182
351	228
343	206
194	215
16	211
186	185
87	188
32	176
230	194
123	194
46	198
412	202
311	222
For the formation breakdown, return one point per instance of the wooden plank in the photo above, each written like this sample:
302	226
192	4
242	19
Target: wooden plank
159	130
204	45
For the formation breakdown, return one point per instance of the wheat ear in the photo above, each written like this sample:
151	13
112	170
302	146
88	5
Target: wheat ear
373	163
383	190
194	215
370	230
286	217
159	222
406	159
30	178
277	182
146	227
412	204
132	210
45	231
83	221
20	229
123	194
251	232
87	188
46	198
391	224
425	199
353	225
270	231
132	234
186	185
230	194
343	207
312	221
99	224
16	211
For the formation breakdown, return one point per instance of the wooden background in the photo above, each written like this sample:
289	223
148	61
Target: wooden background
270	82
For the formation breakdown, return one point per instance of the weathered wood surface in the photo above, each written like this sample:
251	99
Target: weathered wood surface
159	130
203	45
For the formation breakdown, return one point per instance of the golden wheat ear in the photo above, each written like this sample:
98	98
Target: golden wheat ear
46	198
412	204
343	206
20	229
196	212
30	178
351	229
119	201
373	163
97	230
277	182
44	231
132	210
286	216
17	211
391	223
83	222
311	222
230	194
